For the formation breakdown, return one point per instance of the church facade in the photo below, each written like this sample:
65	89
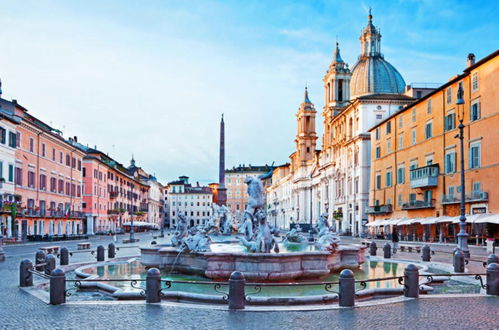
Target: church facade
335	179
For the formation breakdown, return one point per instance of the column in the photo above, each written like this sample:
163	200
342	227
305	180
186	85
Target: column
90	225
9	226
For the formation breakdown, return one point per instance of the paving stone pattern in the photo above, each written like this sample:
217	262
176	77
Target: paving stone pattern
22	311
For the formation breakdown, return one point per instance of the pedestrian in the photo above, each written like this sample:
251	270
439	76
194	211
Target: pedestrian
395	239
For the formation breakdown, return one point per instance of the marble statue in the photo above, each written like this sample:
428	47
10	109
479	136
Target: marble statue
295	235
227	223
180	230
327	239
197	241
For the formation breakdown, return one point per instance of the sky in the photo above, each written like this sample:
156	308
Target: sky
152	78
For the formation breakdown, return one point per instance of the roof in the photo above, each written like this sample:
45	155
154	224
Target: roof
439	89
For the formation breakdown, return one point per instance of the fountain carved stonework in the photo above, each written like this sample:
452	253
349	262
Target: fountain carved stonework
190	253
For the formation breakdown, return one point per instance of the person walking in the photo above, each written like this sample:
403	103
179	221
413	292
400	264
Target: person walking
395	239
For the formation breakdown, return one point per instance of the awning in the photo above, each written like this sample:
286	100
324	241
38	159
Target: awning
428	221
444	218
372	223
405	222
488	218
141	224
470	218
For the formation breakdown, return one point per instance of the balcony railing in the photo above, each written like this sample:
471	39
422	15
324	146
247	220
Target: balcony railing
476	196
379	209
113	194
426	176
416	204
52	214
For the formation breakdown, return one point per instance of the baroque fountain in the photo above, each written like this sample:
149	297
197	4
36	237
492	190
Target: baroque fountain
256	251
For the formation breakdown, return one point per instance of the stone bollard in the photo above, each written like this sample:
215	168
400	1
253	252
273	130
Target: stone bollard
426	253
347	288
372	248
411	281
25	276
493	279
387	251
64	256
100	253
492	259
111	250
40	257
49	264
236	290
57	287
153	286
458	262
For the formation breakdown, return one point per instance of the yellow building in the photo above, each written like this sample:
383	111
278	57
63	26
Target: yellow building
415	157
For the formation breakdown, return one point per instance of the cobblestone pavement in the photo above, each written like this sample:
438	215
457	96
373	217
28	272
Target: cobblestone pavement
20	310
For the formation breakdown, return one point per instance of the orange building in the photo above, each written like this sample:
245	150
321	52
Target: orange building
48	177
415	157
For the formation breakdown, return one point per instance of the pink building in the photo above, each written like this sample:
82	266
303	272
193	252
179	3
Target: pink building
48	177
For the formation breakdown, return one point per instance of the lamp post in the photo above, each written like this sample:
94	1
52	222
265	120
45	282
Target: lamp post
132	234
462	237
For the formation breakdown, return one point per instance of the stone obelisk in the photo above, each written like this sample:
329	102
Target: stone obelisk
222	191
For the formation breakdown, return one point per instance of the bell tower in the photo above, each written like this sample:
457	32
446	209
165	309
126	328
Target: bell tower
306	137
337	84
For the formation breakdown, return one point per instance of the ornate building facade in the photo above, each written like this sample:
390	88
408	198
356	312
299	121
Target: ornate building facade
335	180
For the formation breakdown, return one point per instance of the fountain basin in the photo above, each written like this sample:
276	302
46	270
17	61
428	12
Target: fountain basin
255	266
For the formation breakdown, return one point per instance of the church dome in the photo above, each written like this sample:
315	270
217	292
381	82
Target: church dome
372	74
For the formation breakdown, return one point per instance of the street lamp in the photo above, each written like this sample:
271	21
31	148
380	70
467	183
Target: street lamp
462	237
132	234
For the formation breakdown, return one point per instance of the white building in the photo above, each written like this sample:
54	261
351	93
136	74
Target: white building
8	144
155	212
193	202
335	180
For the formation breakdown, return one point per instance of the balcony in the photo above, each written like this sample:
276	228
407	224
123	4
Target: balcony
474	197
415	204
379	209
113	194
426	176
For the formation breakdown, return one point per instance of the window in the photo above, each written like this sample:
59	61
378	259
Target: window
475	155
53	183
419	94
428	195
389	178
449	95
401	121
68	160
61	186
399	200
53	154
377	133
3	133
450	162
451	191
18	139
474	84
475	111
1	170
413	115
428	130
401	141
31	144
11	173
413	136
388	146
476	187
450	121
428	106
400	175
388	127
12	139
379	117
378	181
378	152
19	176
43	182
31	179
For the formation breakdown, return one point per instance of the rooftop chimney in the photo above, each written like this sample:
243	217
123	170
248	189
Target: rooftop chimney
471	59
